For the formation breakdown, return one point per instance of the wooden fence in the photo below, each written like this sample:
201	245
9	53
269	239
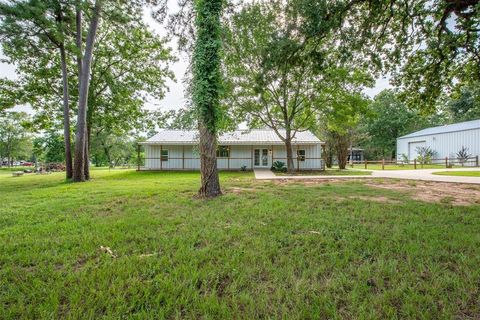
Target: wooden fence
415	164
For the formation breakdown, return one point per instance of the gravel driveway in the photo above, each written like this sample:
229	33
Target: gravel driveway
419	174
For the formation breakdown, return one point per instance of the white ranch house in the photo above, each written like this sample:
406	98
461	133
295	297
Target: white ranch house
256	148
446	140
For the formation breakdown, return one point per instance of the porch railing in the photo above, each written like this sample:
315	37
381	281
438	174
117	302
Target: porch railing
225	163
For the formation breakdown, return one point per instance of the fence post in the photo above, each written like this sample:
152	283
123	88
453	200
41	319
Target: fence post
138	157
476	161
446	162
365	160
383	164
414	163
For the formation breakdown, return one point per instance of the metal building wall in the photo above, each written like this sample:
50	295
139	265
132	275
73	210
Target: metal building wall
445	144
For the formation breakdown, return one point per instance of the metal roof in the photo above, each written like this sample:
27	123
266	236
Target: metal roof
461	126
239	137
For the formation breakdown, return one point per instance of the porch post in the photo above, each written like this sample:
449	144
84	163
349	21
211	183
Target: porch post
183	156
298	164
161	165
138	157
228	159
251	157
272	154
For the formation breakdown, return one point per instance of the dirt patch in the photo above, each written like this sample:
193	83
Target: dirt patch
237	190
310	181
81	261
457	194
435	192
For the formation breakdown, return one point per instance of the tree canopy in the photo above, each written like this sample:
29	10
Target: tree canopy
428	47
387	119
464	103
278	77
129	64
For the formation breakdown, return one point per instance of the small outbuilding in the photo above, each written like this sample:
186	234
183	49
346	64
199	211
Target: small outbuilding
241	149
446	141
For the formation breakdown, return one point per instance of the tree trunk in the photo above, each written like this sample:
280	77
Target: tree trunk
210	183
206	90
78	39
86	167
107	155
342	143
80	141
328	156
288	147
66	115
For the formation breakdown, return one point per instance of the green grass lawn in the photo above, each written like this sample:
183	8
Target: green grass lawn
263	250
459	173
326	172
397	167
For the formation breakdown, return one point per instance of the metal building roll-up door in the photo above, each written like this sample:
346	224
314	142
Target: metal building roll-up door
412	149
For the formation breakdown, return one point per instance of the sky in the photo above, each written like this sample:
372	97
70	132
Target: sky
175	97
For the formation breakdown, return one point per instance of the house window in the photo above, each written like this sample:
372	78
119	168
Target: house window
223	152
164	155
301	155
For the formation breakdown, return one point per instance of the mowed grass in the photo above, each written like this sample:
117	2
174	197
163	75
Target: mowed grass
326	172
459	173
262	250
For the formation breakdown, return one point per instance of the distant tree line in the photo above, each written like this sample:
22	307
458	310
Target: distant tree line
389	117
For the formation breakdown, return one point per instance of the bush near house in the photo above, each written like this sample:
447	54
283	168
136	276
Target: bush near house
279	166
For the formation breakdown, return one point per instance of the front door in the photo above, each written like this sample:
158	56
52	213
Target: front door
260	158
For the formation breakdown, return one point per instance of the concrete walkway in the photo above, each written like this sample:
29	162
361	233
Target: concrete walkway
419	174
266	174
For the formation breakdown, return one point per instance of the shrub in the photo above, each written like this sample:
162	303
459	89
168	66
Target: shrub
279	166
463	155
425	155
243	168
